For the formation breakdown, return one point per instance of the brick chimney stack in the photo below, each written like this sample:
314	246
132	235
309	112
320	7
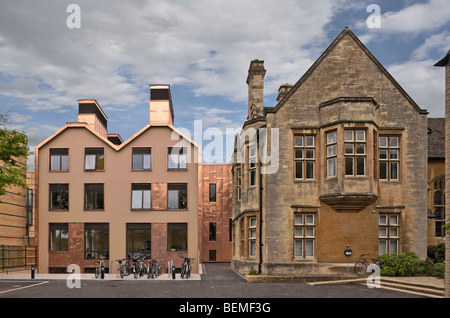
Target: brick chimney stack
445	62
255	82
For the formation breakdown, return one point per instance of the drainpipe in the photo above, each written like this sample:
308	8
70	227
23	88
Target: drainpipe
260	206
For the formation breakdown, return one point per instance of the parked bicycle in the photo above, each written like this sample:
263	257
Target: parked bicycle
186	267
154	268
362	265
98	269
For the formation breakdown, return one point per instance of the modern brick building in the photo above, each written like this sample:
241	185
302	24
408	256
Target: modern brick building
351	167
101	197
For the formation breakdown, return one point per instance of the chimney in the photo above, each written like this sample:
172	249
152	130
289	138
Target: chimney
255	82
283	90
90	112
161	109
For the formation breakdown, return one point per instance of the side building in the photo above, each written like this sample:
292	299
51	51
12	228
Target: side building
101	198
436	181
347	170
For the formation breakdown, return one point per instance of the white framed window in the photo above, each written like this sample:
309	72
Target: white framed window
388	233
331	154
252	236
304	235
252	160
389	158
304	157
355	152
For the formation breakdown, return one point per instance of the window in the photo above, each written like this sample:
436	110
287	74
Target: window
94	159
59	159
141	196
239	184
94	196
177	196
212	192
177	236
331	154
212	255
304	235
355	152
304	157
141	158
59	197
252	236
389	158
212	231
388	233
139	240
59	237
439	207
177	158
252	165
96	238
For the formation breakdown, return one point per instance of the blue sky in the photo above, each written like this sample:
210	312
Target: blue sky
202	48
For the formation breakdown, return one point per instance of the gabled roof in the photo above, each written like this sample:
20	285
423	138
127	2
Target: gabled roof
108	142
345	32
444	61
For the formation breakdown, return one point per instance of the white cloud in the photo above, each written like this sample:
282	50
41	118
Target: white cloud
121	47
423	82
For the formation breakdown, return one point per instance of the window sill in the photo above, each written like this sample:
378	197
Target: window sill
309	259
94	210
58	210
58	171
141	170
94	170
177	169
305	181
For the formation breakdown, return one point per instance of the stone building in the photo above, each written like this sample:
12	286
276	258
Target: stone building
436	181
348	155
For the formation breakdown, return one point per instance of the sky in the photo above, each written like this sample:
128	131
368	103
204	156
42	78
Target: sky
50	57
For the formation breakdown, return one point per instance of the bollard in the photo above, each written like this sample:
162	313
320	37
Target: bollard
102	272
173	271
32	272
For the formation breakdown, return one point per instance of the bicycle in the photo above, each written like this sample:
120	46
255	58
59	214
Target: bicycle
186	267
98	269
121	267
362	265
154	269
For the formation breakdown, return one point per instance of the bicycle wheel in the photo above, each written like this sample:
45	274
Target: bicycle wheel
183	271
360	268
97	273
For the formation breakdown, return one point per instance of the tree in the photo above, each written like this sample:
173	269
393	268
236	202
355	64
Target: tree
13	146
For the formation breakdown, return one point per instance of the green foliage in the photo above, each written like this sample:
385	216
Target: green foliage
13	145
408	264
405	264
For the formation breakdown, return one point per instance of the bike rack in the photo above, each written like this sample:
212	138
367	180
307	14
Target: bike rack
169	268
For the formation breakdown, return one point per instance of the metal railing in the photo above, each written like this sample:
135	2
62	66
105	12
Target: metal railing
14	258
